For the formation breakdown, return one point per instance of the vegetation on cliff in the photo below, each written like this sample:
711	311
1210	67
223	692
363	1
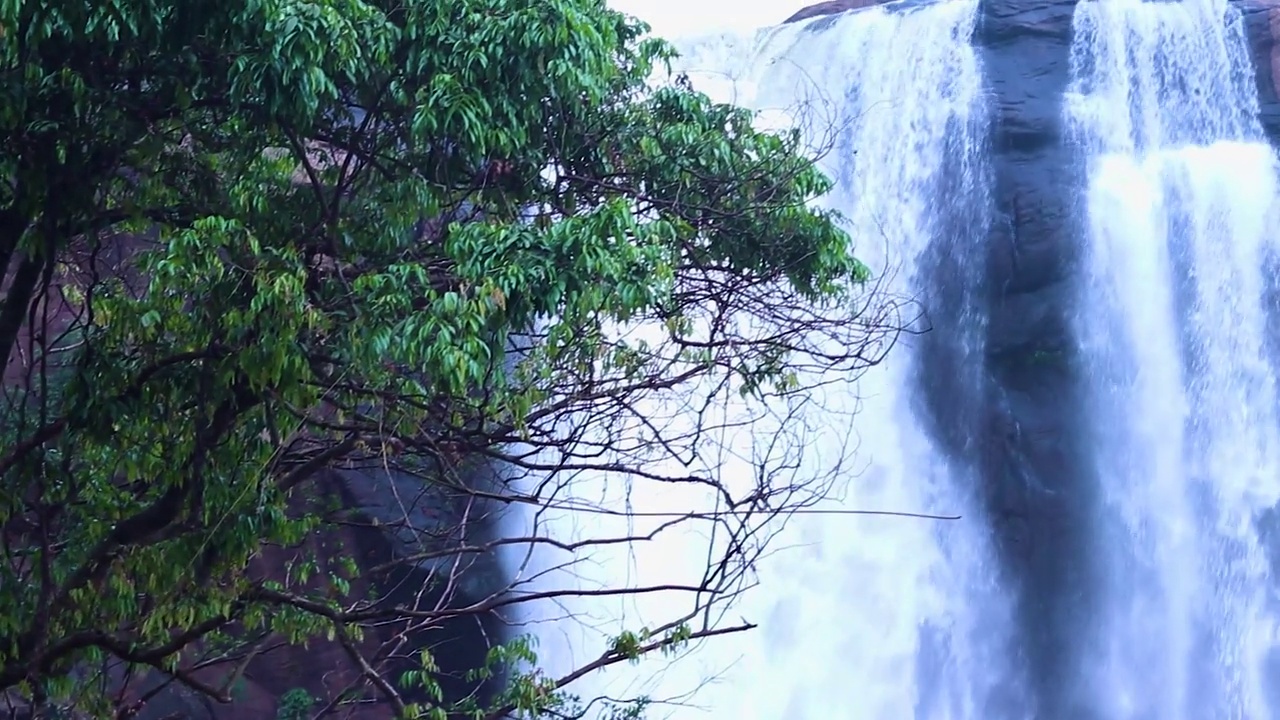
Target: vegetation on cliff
250	241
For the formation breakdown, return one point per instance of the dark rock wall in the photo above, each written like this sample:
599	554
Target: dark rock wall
1037	487
1262	25
386	517
831	7
392	514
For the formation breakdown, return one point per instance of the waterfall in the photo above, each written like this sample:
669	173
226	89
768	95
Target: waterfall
1172	318
902	616
862	616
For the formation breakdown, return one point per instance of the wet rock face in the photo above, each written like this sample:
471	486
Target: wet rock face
1038	489
1262	26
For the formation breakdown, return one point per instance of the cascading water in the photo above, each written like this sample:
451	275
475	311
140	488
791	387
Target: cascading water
910	623
870	617
1172	319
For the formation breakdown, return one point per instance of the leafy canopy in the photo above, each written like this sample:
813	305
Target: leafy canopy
247	240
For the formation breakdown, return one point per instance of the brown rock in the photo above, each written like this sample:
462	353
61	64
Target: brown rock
322	667
1262	28
831	7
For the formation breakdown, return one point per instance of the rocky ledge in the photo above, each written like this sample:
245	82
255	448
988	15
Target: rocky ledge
831	7
1262	24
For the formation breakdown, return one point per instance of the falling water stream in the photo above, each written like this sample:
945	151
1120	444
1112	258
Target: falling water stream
1172	321
885	617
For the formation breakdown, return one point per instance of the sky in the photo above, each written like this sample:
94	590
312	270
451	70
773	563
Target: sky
674	18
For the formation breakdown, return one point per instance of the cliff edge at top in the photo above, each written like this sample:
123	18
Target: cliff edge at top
830	7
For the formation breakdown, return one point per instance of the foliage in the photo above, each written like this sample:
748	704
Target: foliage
250	241
295	705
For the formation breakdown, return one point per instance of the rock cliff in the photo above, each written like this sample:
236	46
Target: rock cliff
380	519
1035	476
830	7
384	519
1262	24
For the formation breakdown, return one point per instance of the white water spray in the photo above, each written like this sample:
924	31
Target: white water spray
1181	227
862	617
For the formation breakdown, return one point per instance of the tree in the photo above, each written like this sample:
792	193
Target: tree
250	242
